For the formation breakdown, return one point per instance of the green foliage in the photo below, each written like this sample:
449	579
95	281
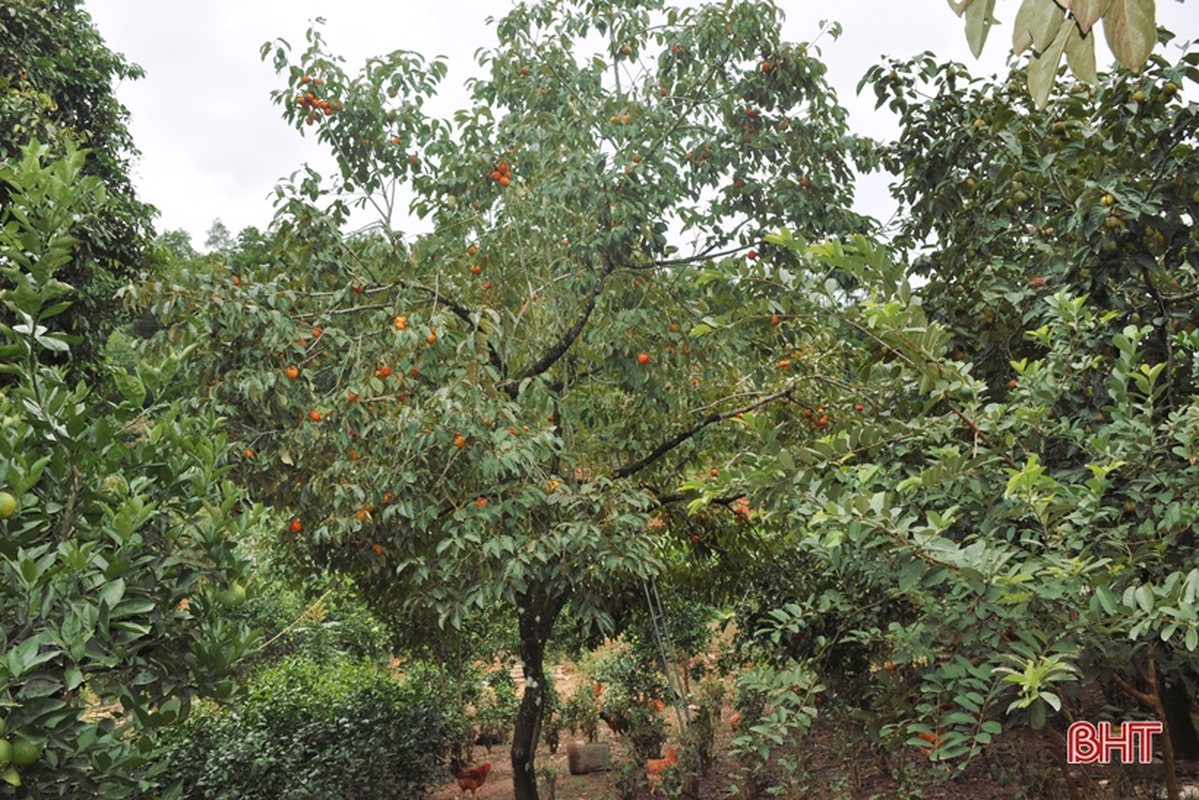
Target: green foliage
322	621
777	706
632	674
495	712
1052	29
698	741
120	544
475	427
579	714
57	86
1095	195
338	730
1035	545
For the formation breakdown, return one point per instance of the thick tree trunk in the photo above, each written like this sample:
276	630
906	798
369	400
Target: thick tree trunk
536	612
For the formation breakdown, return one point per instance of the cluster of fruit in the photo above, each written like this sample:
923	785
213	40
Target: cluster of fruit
16	751
314	105
502	174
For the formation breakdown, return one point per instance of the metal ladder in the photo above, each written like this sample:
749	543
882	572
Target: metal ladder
673	672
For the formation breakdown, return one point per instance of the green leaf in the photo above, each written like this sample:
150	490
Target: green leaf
1144	595
1087	13
112	592
979	19
1106	600
1080	55
1036	716
1131	31
1036	24
1042	69
132	389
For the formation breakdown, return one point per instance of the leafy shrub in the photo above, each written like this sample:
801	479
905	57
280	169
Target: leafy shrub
647	730
636	672
337	731
778	706
699	740
551	721
118	526
579	713
496	711
324	622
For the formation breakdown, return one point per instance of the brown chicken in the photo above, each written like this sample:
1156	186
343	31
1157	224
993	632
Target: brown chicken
654	767
471	779
615	721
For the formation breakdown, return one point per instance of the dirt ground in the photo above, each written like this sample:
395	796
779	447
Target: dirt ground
1019	767
837	765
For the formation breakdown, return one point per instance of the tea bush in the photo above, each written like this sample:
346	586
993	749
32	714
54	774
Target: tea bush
339	731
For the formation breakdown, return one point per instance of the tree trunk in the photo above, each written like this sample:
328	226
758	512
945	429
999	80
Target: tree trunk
1177	706
536	612
1152	698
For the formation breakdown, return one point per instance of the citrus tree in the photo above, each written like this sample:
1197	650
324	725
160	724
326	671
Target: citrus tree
117	525
489	413
58	88
1007	520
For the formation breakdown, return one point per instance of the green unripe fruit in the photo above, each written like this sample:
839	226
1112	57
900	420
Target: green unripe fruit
25	752
5	753
234	596
8	504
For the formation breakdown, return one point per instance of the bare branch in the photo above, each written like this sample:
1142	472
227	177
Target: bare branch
682	436
560	347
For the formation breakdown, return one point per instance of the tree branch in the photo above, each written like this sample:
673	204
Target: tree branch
560	347
682	436
463	313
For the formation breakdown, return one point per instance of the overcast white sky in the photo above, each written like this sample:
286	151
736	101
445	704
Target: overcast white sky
213	146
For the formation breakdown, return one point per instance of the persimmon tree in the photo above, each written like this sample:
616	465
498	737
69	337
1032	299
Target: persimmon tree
1051	29
117	525
494	410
